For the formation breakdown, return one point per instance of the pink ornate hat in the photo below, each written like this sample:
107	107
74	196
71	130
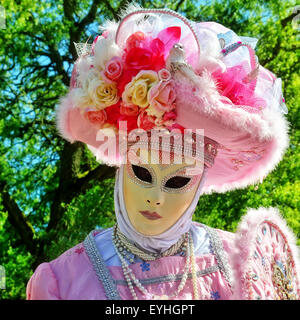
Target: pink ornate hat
157	69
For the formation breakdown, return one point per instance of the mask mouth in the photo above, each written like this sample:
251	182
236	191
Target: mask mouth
150	215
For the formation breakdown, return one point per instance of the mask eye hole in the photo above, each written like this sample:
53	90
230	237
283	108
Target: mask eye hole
142	173
177	182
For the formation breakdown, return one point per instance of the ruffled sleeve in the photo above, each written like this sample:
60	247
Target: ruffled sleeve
43	284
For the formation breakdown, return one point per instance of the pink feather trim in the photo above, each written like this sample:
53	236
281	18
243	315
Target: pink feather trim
62	118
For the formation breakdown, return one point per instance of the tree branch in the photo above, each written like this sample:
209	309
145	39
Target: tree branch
288	19
179	4
102	172
69	184
278	45
56	58
18	220
111	9
53	55
69	9
90	17
69	168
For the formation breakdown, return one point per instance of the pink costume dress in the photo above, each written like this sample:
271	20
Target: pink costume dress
258	262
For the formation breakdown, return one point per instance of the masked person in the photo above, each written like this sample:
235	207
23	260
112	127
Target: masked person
152	92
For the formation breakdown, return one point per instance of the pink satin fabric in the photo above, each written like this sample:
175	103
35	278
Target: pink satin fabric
71	277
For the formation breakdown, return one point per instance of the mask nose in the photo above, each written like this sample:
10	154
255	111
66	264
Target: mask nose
152	202
155	197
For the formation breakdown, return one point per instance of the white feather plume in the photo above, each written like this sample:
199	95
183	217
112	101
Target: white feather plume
210	57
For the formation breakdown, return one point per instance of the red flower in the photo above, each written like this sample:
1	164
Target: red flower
125	78
114	116
135	40
129	110
144	59
131	122
143	53
171	115
113	113
146	53
157	47
145	121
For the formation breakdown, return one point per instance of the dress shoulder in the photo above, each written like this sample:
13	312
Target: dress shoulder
58	278
266	258
43	284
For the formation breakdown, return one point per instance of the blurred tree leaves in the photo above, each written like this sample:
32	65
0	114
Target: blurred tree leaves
53	193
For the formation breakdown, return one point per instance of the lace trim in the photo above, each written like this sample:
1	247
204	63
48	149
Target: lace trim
218	250
171	277
100	268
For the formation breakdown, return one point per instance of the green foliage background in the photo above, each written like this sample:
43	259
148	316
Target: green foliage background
52	194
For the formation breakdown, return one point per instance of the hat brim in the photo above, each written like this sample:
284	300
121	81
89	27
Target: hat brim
252	144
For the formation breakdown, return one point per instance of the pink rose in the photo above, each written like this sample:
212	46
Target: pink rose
162	96
96	117
164	75
129	110
114	68
145	121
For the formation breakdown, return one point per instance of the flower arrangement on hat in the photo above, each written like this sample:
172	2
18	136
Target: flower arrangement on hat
132	84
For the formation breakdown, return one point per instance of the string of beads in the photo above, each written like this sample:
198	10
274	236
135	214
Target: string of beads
122	244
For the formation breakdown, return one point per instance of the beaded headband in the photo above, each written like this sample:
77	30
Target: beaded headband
191	145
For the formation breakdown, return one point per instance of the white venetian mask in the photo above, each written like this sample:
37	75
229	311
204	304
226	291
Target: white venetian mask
156	195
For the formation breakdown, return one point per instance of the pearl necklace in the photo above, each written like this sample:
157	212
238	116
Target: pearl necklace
131	279
125	246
